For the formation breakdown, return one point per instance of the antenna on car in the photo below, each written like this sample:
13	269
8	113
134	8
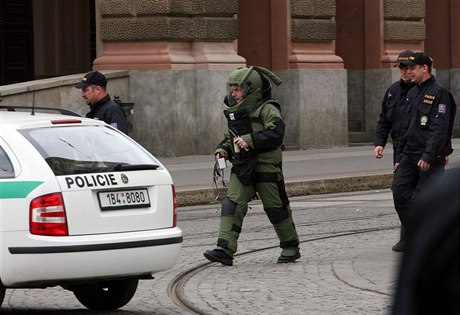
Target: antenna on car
33	103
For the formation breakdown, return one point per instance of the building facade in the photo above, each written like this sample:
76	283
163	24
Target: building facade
335	58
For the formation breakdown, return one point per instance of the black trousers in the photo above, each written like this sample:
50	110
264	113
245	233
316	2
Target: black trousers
409	182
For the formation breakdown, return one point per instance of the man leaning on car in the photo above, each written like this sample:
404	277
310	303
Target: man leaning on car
93	90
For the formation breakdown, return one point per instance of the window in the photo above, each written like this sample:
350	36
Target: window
86	149
6	167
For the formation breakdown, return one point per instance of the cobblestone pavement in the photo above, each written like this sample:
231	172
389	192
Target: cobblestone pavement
347	266
344	274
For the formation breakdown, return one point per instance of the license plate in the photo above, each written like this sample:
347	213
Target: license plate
124	199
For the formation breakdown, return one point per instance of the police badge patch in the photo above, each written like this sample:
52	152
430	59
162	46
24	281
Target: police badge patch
442	108
423	120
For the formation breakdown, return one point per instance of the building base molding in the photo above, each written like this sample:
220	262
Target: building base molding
169	56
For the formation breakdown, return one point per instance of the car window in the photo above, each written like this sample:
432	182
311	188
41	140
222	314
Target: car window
86	149
6	167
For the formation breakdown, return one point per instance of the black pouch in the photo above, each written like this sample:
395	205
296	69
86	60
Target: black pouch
244	170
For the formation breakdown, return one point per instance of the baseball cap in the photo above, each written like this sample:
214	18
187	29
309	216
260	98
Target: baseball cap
92	78
403	56
418	58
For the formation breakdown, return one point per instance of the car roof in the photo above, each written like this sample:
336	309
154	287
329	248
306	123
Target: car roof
26	119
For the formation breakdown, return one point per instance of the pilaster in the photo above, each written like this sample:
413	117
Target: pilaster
403	28
313	34
167	34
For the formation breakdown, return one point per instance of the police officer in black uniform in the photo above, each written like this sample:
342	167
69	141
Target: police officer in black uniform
391	120
427	142
93	86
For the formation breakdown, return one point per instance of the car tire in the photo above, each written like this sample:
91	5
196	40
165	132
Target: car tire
2	293
106	295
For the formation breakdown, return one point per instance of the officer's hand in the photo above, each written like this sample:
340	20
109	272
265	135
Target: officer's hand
395	167
378	152
424	166
446	161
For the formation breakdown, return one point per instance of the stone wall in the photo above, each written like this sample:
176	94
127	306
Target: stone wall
167	34
180	112
403	20
142	20
314	104
60	92
312	20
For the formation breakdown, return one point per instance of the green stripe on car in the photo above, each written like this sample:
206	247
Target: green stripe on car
17	189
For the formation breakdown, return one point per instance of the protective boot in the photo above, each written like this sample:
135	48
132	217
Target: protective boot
289	240
218	255
288	259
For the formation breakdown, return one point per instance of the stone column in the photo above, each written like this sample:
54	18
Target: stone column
313	33
168	34
179	53
391	26
314	92
403	28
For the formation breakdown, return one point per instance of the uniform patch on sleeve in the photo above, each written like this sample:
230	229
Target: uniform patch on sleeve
442	108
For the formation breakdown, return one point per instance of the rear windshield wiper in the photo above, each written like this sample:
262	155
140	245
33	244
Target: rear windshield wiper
135	167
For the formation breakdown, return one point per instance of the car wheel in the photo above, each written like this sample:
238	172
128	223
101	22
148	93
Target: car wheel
2	293
106	295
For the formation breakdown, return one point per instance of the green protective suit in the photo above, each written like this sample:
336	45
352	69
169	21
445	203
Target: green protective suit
258	170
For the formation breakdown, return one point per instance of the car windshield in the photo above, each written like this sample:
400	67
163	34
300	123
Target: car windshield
88	149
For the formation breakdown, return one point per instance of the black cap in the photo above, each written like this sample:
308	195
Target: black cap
403	56
92	78
418	58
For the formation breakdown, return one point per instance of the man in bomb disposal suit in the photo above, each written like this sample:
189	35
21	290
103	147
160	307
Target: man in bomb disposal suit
254	145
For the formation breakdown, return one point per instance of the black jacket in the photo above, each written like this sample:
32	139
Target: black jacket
429	275
430	120
391	116
110	112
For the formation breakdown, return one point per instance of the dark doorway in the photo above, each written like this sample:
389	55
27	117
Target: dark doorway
45	38
16	41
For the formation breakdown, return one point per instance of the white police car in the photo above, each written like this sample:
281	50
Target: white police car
82	206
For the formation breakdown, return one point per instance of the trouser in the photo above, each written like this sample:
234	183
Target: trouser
269	185
402	232
409	182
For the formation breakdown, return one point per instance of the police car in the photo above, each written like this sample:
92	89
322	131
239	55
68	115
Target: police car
82	206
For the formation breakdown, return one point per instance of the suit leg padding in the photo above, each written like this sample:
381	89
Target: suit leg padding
231	221
277	215
228	207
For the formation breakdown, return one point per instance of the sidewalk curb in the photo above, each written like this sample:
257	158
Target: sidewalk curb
302	188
